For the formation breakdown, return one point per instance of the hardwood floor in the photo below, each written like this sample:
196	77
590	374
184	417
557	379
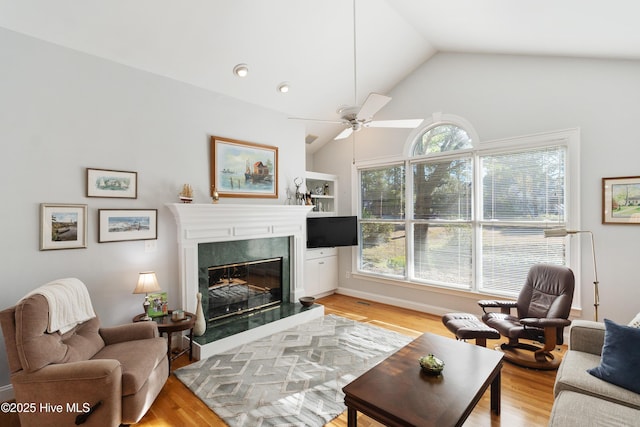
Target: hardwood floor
527	395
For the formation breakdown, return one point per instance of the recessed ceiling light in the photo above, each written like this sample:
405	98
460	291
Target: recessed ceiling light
241	70
283	87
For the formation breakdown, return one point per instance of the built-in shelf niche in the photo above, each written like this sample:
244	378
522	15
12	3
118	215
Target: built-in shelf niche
324	190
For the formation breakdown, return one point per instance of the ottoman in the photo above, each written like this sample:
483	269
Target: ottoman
467	326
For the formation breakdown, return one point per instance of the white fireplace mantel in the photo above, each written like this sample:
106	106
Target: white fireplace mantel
205	223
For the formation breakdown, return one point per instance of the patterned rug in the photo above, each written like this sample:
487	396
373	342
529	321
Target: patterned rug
292	378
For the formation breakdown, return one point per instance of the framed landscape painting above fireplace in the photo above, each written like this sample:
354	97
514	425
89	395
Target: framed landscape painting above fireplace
243	169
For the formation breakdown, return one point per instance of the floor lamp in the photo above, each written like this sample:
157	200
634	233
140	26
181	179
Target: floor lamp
562	232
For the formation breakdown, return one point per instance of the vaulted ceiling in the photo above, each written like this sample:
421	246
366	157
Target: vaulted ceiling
309	43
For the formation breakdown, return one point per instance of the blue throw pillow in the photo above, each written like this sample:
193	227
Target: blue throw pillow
620	362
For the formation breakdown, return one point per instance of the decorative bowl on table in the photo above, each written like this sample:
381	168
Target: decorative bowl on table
307	301
431	365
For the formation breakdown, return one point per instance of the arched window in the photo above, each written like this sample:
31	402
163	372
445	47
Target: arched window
465	214
440	138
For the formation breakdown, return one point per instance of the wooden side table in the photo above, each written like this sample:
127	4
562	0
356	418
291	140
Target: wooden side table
169	326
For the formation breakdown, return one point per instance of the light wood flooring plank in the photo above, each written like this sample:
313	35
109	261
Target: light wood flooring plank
527	395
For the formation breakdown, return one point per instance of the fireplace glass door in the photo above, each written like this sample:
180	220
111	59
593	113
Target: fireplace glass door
241	287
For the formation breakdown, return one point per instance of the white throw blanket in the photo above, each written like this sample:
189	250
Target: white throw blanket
69	303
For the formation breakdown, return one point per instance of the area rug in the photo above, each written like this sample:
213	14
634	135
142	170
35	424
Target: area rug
291	378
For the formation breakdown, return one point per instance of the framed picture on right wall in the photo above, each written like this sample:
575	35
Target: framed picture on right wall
621	200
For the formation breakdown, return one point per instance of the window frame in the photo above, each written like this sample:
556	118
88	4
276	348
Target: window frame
412	221
569	138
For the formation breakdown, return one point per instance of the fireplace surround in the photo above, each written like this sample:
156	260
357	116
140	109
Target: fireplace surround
249	228
242	276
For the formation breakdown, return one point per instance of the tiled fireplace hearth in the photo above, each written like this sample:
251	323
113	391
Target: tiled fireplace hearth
221	234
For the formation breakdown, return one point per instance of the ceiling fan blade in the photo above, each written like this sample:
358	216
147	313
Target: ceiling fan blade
344	134
372	105
317	120
408	124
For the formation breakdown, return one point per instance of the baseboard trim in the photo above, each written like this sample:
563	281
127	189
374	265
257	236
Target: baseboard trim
396	302
6	393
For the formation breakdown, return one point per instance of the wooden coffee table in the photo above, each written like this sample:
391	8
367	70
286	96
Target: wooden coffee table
397	393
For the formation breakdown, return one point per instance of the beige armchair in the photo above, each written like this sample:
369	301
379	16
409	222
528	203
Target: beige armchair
89	375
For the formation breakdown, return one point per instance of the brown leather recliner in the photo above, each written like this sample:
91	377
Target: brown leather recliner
542	311
99	376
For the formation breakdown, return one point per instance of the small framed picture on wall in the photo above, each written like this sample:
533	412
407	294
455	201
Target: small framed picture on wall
112	183
63	226
621	200
118	225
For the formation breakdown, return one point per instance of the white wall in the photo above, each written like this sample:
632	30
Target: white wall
62	111
508	96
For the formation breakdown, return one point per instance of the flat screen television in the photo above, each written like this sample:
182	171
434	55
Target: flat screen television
332	231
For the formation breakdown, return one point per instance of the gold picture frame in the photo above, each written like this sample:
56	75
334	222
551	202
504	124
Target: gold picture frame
243	169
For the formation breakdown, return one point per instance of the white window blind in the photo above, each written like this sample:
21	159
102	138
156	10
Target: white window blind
521	194
382	211
442	213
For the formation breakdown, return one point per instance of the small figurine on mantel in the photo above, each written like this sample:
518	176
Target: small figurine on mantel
215	197
186	195
301	197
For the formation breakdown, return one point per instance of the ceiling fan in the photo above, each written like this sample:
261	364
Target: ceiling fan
355	117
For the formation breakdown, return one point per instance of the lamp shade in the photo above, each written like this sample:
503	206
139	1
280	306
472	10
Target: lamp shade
147	282
556	232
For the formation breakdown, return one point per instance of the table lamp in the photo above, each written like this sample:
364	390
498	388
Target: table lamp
147	282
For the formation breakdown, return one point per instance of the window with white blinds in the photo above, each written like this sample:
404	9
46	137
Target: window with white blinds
521	193
382	214
459	214
442	221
